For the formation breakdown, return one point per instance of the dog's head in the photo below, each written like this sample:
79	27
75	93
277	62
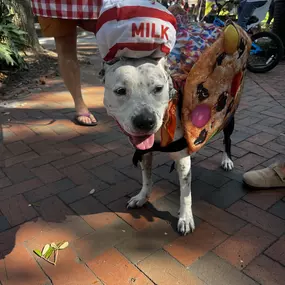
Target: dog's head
136	96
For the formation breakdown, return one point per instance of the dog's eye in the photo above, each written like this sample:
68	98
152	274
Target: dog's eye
121	91
158	89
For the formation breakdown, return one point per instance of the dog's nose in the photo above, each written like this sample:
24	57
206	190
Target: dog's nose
144	121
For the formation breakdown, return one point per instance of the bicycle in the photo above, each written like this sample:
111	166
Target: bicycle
267	48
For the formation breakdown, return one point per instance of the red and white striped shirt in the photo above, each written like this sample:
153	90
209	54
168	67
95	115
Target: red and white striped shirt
67	9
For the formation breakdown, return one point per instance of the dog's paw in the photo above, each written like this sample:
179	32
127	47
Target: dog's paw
137	201
227	164
186	225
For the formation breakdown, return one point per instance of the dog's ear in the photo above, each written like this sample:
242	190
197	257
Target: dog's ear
105	66
165	64
101	73
172	90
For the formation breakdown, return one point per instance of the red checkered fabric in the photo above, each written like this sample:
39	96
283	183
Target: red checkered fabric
67	9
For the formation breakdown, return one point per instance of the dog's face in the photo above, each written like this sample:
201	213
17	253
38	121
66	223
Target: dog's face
137	95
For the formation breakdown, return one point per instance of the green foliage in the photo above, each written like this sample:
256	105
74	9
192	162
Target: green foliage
12	39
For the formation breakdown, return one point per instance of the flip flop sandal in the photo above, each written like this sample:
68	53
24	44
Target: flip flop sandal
79	122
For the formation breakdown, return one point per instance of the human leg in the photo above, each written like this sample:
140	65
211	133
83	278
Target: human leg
70	72
246	10
64	32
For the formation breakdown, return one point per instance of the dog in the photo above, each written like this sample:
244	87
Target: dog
137	93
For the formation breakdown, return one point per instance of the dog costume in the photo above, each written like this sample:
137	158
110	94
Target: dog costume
207	65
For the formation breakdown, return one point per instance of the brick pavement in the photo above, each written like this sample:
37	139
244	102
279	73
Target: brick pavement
49	166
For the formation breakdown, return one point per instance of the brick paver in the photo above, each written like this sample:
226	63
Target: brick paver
190	248
60	181
277	251
113	268
245	245
266	271
163	269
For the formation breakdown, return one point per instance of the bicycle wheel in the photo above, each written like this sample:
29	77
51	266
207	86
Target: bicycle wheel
266	52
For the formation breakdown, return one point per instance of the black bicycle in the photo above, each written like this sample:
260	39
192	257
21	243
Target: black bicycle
267	48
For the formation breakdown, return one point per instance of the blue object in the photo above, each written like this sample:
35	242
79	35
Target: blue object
255	49
218	22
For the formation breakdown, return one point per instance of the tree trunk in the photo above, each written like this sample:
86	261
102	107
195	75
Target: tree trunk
279	19
24	18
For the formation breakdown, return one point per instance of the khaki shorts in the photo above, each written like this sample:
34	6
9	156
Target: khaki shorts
54	27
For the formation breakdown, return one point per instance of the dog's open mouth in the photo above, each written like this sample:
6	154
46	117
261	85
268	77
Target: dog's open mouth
139	142
142	142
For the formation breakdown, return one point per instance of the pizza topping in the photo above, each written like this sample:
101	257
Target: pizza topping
231	39
201	138
202	92
201	115
222	101
220	58
236	83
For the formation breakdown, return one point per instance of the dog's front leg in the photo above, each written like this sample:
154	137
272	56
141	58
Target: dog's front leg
142	197
186	220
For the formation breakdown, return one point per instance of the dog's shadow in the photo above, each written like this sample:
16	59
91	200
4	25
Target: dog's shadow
138	220
89	211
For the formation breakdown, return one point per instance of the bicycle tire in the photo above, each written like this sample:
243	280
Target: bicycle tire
279	55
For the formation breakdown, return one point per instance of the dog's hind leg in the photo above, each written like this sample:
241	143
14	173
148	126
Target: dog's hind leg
227	163
186	220
142	197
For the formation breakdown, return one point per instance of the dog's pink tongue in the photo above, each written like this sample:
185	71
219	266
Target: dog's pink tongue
143	143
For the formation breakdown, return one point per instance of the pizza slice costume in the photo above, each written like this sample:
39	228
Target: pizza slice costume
207	64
